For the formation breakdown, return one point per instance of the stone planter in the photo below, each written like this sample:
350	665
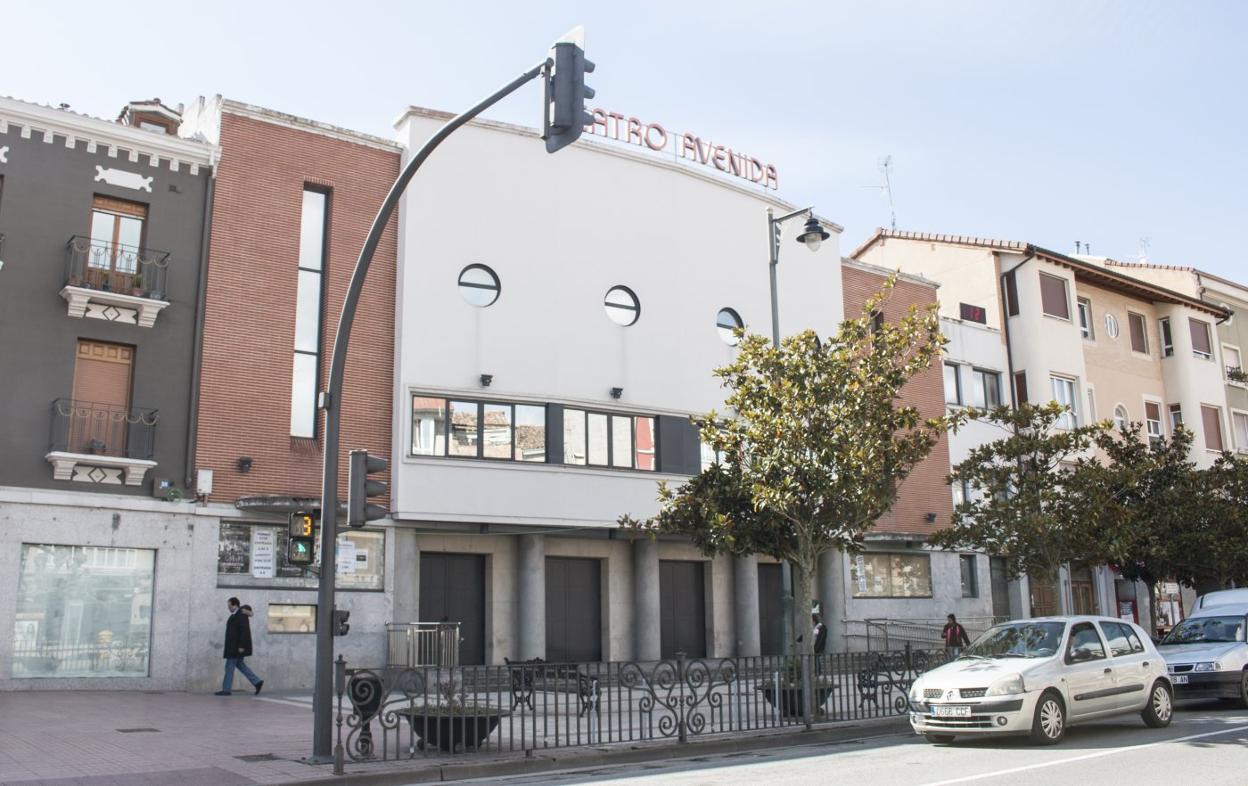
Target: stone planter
453	731
790	699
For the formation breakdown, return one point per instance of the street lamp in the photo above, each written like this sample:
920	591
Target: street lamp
812	236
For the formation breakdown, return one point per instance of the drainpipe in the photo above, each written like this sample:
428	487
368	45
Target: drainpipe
197	362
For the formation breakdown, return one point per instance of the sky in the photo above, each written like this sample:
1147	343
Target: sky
1117	124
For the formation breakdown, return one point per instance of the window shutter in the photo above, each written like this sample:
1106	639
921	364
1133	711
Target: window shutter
1053	296
1200	336
1011	294
1212	421
1020	386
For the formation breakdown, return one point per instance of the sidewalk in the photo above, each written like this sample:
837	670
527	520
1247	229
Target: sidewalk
98	738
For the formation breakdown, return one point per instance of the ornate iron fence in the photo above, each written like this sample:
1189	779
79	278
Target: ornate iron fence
404	713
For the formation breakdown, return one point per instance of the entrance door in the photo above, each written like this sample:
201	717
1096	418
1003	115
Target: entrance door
682	604
573	610
452	589
1082	591
770	609
98	421
1043	596
1000	588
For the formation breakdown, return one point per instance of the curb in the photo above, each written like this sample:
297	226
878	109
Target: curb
579	758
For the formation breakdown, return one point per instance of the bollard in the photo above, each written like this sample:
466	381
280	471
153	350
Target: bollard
340	686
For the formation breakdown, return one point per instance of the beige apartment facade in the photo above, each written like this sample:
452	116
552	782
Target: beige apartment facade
1108	345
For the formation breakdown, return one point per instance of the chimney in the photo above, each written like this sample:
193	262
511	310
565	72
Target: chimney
151	115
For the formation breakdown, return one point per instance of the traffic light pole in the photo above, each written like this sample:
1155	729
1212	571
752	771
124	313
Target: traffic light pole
331	402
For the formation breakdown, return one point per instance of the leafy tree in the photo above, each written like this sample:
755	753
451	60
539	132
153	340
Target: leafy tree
1028	503
815	447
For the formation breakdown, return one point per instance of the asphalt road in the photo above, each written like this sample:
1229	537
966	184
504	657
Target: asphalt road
1206	744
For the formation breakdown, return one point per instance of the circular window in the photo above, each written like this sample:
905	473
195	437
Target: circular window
622	305
478	285
1111	325
728	322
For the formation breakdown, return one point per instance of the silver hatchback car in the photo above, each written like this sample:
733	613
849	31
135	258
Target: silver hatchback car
1037	677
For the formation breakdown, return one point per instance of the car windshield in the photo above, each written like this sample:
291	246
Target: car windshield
1206	629
1018	640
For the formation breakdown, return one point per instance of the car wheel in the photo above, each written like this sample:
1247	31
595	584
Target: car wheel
1049	725
938	739
1159	710
1243	689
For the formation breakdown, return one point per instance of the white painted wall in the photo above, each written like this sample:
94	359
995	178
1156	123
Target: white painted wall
974	346
1192	382
560	231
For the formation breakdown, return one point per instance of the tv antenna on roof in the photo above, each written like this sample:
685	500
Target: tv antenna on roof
886	166
1143	255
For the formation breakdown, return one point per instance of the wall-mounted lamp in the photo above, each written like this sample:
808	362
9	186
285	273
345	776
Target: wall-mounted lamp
617	392
930	518
244	464
486	379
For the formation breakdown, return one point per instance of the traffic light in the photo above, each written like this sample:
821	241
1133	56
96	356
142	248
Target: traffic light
360	487
341	628
302	536
566	92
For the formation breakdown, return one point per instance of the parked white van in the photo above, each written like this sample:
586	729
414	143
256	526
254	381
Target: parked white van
1207	653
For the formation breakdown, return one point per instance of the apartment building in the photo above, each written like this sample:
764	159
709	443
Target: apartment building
102	232
1087	335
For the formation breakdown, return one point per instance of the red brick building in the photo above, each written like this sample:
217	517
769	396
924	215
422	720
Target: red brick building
924	503
282	182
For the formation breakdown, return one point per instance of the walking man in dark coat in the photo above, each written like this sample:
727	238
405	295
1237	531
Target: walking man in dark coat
237	647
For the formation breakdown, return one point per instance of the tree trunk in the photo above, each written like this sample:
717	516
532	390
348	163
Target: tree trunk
1152	608
804	569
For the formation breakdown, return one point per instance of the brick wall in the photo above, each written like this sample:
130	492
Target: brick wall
924	491
249	323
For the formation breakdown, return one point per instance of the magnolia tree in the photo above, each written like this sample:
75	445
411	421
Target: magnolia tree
816	444
1028	501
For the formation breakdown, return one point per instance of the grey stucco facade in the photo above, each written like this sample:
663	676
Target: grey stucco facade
50	178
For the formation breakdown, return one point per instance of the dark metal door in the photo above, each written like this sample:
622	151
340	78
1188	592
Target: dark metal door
452	589
770	610
682	609
1000	588
573	610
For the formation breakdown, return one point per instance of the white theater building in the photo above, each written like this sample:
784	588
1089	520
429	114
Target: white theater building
558	320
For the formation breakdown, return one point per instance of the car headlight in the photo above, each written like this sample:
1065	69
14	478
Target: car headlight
916	692
1007	686
1208	666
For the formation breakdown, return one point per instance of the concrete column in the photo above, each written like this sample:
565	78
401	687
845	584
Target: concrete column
406	575
531	595
745	595
648	633
831	593
1020	598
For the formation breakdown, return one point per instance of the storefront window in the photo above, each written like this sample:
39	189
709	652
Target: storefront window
291	618
83	611
892	576
254	555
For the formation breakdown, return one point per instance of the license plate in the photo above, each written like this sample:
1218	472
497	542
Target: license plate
1179	679
952	712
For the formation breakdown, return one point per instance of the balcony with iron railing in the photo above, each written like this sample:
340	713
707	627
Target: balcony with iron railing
114	282
101	443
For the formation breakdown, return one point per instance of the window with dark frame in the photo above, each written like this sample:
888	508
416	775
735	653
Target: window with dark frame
1152	421
601	439
1167	343
305	375
469	428
1020	386
985	389
1053	298
970	579
118	234
1176	416
1139	332
971	313
1011	294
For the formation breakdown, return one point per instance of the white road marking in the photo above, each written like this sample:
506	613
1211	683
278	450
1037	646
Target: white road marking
1086	756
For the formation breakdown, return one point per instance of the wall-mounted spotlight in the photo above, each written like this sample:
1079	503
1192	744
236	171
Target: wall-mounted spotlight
486	379
617	392
930	518
243	464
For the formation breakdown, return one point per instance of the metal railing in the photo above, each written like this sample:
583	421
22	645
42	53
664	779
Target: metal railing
403	713
883	634
116	267
413	644
102	429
